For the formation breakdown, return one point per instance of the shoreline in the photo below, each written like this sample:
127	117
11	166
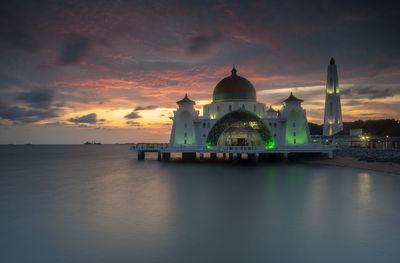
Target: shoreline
352	162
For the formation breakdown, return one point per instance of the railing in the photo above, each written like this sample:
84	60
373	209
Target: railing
240	148
154	147
149	146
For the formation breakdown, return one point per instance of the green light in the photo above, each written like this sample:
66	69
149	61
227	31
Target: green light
245	117
329	89
295	128
271	145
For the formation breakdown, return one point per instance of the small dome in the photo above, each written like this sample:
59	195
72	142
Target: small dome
234	87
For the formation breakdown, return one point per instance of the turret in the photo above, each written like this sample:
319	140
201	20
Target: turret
183	130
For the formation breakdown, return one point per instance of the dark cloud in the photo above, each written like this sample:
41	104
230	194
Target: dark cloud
7	80
90	119
15	30
2	104
22	115
371	92
133	123
202	43
41	98
75	49
149	107
133	115
57	123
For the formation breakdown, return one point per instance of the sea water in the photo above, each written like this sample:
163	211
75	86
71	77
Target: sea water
98	203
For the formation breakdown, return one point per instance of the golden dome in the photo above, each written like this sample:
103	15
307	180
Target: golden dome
234	87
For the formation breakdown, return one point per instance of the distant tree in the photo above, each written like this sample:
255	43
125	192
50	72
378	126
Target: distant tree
383	127
390	127
315	129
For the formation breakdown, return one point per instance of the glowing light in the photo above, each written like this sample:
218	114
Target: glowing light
253	124
296	135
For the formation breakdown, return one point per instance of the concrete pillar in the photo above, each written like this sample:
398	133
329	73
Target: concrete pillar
213	156
263	156
253	157
188	156
140	156
166	156
235	158
159	156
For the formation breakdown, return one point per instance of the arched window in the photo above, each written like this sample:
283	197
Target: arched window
204	135
204	124
184	142
274	134
270	124
208	125
274	124
294	124
255	108
230	107
208	110
218	108
294	141
243	107
185	134
294	134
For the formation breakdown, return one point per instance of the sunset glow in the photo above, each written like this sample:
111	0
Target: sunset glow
112	71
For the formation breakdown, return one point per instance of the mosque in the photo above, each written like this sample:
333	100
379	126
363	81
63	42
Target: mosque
236	118
235	123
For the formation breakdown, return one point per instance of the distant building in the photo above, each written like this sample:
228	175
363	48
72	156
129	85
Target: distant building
356	133
333	111
235	118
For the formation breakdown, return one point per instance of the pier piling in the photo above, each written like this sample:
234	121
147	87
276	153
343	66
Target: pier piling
141	156
188	156
166	156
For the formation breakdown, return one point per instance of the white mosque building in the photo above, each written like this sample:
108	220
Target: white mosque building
235	118
235	123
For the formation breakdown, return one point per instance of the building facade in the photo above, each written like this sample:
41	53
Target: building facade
333	110
235	118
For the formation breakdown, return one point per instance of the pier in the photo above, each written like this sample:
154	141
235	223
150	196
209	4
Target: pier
232	153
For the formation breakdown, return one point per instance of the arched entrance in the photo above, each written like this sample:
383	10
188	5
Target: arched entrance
240	127
239	134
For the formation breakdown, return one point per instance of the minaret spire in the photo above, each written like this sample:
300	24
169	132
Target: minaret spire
333	111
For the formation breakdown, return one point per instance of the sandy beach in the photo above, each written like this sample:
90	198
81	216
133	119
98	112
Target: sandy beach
386	167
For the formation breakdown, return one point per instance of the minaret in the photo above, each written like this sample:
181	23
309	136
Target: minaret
333	109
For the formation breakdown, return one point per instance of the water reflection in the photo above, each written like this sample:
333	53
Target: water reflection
364	190
99	204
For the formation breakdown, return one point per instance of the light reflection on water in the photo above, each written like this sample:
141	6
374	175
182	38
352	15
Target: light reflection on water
99	204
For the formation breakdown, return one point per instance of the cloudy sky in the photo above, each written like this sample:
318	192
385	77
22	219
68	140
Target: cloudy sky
111	71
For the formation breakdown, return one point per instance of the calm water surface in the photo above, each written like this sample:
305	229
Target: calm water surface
99	204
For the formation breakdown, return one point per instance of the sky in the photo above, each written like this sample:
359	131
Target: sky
112	71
